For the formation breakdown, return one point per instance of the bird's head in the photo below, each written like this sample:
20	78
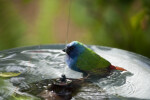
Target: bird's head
74	49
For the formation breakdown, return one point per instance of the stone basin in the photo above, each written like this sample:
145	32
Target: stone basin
37	64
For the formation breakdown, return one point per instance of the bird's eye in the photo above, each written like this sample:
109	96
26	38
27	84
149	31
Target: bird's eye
71	48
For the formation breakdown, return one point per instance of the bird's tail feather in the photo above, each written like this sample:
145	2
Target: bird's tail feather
112	67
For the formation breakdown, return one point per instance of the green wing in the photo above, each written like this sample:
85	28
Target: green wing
89	61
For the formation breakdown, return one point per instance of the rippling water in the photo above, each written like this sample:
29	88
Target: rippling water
47	62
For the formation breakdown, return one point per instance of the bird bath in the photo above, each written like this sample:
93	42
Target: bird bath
40	65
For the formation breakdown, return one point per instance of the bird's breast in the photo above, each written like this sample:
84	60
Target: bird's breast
72	63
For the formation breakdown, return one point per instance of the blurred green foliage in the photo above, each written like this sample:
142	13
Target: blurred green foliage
122	24
11	25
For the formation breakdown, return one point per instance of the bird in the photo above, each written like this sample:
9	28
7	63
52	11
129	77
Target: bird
80	58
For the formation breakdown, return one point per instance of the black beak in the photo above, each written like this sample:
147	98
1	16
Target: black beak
64	50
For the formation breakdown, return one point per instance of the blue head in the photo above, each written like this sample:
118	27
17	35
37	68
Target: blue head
73	51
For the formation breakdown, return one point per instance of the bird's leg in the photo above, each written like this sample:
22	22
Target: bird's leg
84	78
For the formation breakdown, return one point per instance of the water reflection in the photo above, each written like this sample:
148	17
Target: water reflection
116	78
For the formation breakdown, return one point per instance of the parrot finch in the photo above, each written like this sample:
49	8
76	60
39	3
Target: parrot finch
82	59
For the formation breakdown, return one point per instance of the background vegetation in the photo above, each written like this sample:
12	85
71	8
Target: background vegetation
122	24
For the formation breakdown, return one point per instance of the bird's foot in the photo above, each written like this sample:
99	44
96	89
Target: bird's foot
84	78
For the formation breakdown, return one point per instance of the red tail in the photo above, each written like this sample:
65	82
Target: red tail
112	67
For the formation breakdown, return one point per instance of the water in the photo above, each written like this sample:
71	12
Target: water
47	62
136	83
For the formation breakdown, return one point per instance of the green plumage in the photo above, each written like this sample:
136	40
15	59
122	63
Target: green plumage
91	62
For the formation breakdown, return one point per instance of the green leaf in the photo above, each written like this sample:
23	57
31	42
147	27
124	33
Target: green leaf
23	97
9	74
